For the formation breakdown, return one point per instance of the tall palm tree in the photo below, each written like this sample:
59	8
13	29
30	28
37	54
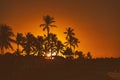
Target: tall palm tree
48	22
69	32
75	42
72	41
6	35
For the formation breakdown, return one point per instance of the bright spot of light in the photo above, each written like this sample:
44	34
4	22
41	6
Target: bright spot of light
54	54
48	55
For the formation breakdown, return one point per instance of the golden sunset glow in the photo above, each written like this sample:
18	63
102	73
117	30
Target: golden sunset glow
59	39
96	28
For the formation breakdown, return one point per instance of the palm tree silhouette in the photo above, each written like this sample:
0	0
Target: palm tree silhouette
53	40
39	45
28	43
59	47
19	40
48	22
68	52
74	42
69	32
6	35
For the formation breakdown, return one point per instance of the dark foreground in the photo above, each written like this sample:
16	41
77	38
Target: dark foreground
36	68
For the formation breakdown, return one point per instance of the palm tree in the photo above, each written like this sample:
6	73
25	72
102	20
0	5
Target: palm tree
28	43
6	35
69	32
39	45
53	41
74	42
68	52
19	40
59	46
48	22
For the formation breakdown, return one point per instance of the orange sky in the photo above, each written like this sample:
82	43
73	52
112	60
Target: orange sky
96	22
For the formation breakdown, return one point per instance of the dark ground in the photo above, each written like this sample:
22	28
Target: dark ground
36	68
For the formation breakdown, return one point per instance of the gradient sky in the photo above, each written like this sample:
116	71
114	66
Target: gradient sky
96	22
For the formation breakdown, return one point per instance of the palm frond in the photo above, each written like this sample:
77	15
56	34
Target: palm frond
41	25
53	25
44	28
10	46
65	32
